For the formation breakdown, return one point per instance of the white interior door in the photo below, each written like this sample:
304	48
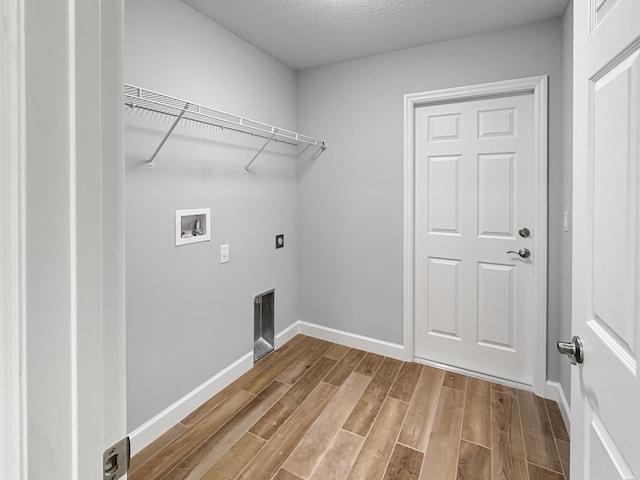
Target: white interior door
605	393
475	189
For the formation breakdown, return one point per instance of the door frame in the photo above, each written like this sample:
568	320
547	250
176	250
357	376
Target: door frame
12	326
538	87
63	399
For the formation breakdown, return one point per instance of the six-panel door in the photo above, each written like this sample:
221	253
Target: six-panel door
474	191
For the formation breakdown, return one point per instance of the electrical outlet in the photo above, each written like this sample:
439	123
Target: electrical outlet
279	241
224	253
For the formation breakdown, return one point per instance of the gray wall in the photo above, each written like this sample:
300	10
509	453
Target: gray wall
351	198
188	316
558	363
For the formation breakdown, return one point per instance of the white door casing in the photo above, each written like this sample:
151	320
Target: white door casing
12	359
475	172
68	236
605	391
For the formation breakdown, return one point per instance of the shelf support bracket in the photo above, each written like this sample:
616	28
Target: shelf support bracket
246	169
166	137
304	150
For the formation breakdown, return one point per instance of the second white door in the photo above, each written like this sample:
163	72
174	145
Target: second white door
475	197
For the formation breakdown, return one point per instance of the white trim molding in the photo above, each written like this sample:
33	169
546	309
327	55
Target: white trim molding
287	334
173	414
555	392
537	86
13	450
352	340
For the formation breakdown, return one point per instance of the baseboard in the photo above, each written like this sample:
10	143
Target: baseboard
352	340
287	334
556	392
152	429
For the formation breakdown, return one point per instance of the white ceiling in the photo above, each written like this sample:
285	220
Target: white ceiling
310	33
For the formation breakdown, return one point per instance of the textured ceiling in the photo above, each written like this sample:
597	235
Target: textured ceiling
310	33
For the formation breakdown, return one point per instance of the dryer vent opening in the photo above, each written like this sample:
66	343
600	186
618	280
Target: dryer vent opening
263	324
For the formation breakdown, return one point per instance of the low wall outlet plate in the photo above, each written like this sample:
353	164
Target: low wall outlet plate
279	241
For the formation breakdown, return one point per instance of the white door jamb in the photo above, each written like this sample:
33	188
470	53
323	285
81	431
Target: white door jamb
537	86
12	324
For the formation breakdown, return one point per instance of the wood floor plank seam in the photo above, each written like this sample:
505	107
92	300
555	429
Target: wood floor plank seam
464	406
475	443
135	468
539	473
341	352
522	432
317	351
540	444
270	432
377	361
395	439
214	448
195	449
417	369
333	440
283	442
248	461
474	462
442	450
319	436
491	429
515	463
416	431
350	456
196	435
371	420
408	465
545	468
555	439
278	365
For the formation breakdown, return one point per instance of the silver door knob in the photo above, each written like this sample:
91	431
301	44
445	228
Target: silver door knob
524	232
574	350
523	252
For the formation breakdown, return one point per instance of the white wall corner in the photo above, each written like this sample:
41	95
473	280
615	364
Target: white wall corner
556	392
152	429
353	340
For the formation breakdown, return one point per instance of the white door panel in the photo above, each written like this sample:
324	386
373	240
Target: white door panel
473	191
606	388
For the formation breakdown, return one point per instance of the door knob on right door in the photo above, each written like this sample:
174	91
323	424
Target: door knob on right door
574	350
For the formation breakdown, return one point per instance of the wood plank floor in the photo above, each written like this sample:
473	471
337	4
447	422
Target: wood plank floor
314	410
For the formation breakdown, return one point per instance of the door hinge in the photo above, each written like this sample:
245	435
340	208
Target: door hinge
116	459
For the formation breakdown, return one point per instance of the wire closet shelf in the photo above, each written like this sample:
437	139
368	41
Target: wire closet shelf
138	97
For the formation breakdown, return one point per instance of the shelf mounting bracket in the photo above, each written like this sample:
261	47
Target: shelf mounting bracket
246	169
166	137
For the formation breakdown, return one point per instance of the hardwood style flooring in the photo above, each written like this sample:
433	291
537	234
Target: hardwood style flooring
314	410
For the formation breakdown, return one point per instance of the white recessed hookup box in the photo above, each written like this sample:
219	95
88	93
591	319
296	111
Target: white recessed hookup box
193	225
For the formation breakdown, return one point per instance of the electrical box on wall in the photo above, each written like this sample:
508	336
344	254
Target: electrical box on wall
193	226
